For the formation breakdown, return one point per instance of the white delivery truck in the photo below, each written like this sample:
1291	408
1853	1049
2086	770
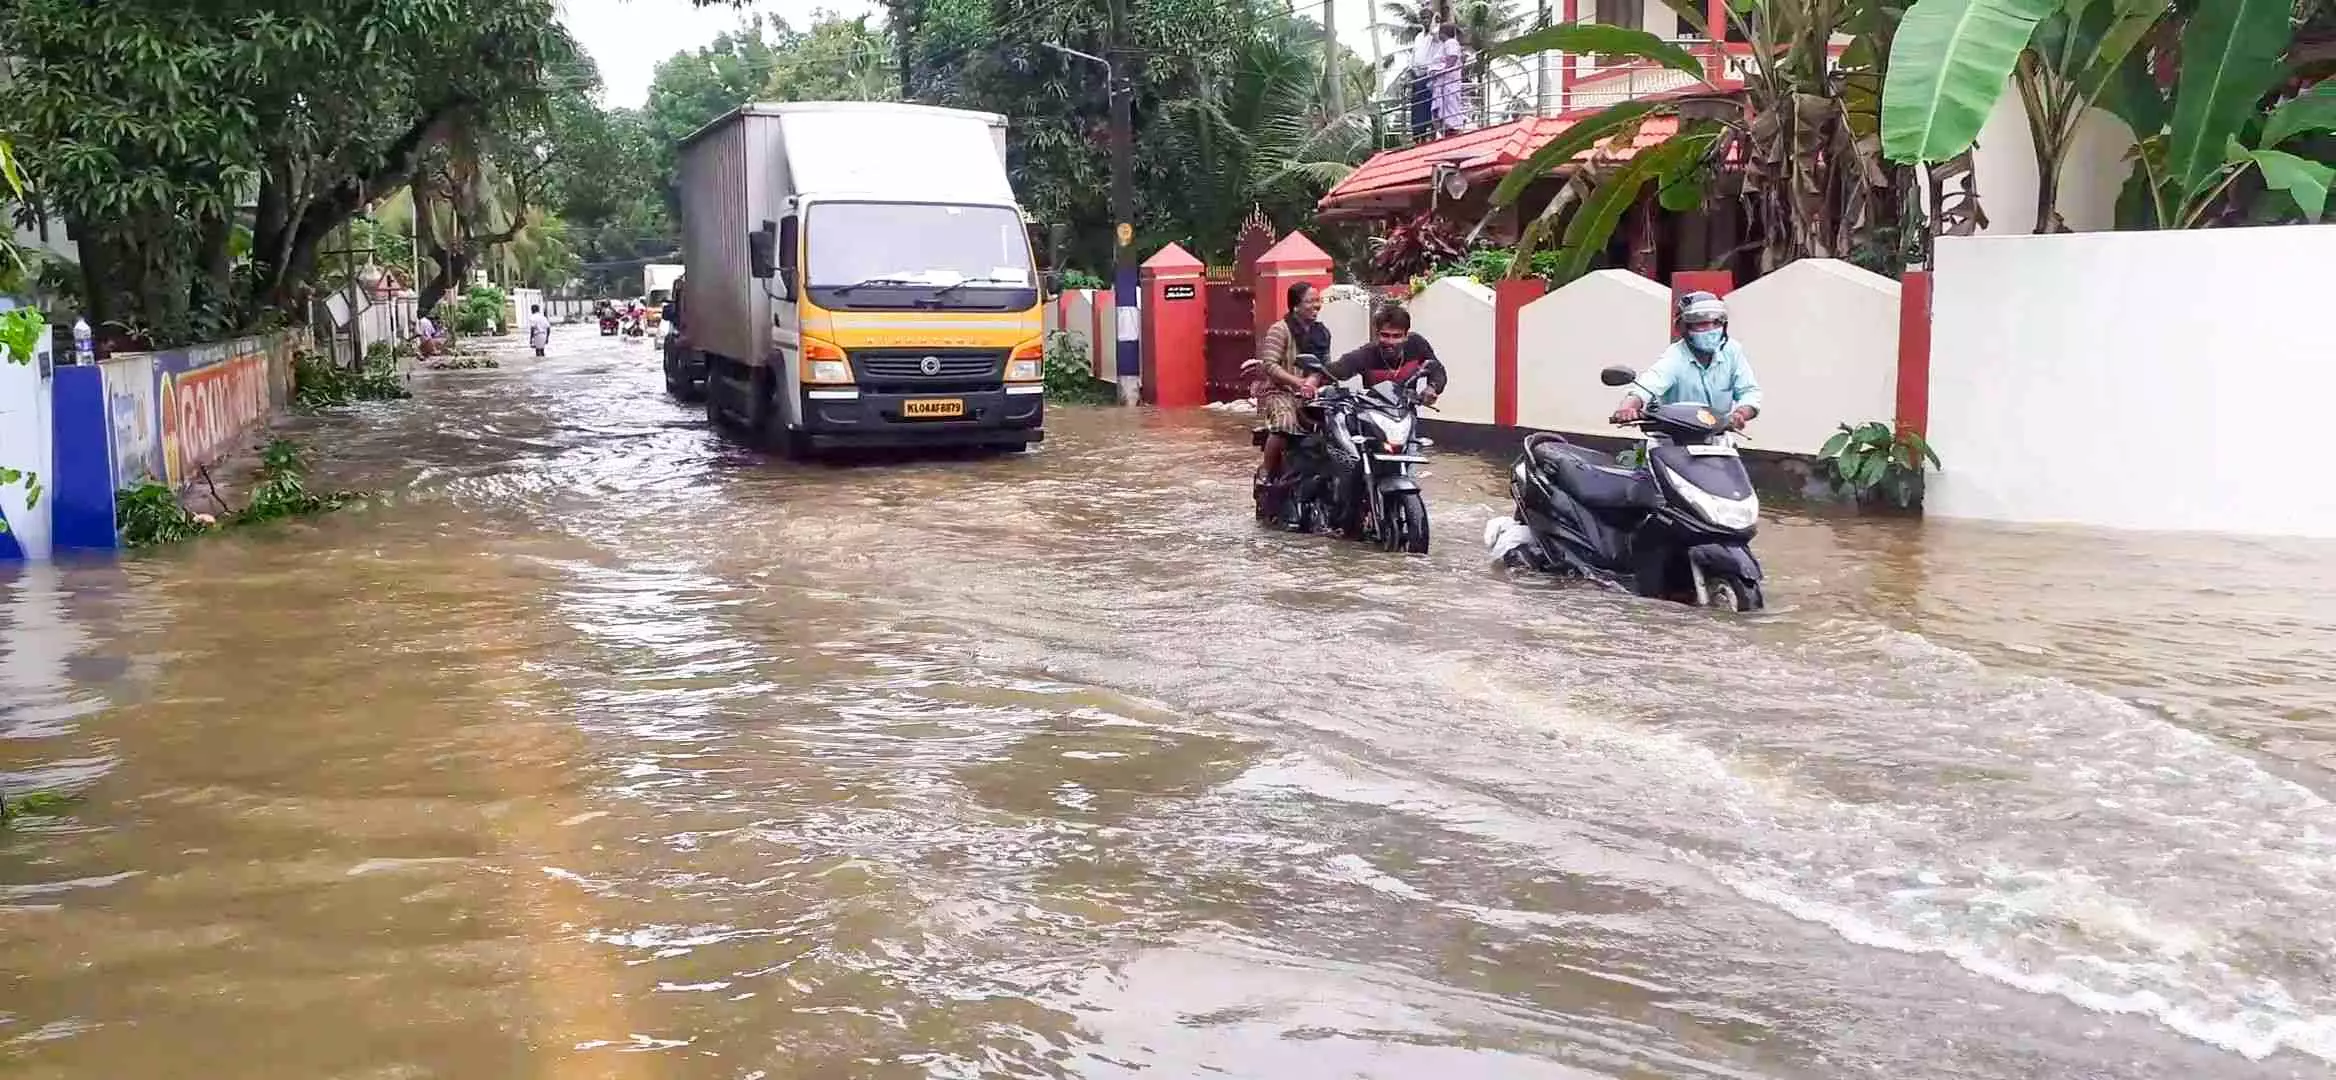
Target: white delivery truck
858	274
657	281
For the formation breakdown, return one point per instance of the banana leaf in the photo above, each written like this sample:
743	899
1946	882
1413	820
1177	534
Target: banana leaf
1948	65
1600	40
2231	57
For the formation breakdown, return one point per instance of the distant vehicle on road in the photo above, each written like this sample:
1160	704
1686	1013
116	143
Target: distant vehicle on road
860	275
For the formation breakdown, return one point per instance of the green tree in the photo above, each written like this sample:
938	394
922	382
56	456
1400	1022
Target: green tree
836	59
1259	135
154	122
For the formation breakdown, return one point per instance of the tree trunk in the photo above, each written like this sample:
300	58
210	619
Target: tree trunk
214	272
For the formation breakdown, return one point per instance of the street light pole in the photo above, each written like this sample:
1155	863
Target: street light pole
1123	200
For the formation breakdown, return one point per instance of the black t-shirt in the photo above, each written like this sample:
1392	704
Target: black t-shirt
1376	366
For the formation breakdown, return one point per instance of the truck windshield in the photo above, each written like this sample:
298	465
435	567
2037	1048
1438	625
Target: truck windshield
899	255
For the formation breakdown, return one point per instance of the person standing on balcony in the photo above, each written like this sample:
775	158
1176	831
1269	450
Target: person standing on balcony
1447	62
1423	83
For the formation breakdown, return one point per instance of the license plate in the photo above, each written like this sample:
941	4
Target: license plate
1711	451
1407	459
923	408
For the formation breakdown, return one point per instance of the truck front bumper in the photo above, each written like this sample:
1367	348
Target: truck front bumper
841	418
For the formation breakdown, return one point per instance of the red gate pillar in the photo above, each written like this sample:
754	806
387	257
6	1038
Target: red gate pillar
1293	260
1914	352
1509	298
1174	317
1715	282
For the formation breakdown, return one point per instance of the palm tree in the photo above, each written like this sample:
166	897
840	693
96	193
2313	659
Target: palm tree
1259	135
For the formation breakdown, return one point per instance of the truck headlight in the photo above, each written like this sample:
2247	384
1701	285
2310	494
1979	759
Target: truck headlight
1028	362
825	362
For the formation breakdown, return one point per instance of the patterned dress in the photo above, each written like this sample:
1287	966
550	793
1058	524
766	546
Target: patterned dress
1277	407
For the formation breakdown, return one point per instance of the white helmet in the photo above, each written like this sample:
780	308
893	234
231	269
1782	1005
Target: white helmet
1703	307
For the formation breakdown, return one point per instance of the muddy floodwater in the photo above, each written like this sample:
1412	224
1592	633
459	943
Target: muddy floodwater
601	748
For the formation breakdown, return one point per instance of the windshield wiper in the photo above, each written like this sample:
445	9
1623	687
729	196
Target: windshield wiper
963	282
877	281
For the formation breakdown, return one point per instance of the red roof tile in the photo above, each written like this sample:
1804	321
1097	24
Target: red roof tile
1391	177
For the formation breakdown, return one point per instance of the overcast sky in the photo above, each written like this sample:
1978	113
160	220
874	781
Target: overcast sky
629	38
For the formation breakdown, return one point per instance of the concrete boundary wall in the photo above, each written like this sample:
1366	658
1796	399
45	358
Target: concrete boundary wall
138	417
2054	358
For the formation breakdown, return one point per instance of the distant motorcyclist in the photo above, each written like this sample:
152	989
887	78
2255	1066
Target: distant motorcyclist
1394	354
1704	366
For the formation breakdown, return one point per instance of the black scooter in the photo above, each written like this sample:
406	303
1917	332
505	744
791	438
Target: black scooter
1679	527
1356	474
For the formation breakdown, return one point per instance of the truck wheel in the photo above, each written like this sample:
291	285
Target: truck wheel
715	393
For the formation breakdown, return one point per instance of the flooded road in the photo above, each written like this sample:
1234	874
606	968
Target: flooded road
600	748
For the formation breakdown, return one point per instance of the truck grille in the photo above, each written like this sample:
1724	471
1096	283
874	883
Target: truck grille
904	369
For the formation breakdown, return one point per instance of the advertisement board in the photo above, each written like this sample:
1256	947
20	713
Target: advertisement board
134	433
209	396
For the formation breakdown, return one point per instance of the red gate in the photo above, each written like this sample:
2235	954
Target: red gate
1232	311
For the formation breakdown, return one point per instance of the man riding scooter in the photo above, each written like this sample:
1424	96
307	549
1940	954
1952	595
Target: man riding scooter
1703	366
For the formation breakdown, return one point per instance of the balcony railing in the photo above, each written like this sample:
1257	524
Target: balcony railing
1549	84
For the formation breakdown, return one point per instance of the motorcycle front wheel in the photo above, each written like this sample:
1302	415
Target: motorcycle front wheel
1404	526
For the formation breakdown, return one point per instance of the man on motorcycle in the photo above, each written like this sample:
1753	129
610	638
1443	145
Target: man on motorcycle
1280	384
1703	367
1395	354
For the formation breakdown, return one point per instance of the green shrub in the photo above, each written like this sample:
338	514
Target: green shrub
1070	374
480	311
1080	279
1872	458
148	514
317	382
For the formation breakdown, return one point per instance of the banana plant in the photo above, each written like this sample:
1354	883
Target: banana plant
2173	201
1953	58
1808	154
2215	133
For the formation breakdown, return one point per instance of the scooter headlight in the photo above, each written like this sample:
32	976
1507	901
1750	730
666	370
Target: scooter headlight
1737	514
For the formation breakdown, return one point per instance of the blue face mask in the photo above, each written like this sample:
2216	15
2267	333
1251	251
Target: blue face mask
1705	341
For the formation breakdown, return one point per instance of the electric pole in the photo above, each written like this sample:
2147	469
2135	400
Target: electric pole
1123	194
1123	199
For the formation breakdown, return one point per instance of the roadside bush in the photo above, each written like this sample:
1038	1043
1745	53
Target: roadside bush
317	382
1080	279
1070	374
480	312
149	514
1873	460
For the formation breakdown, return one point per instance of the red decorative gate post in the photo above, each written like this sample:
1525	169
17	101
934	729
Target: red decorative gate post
1174	316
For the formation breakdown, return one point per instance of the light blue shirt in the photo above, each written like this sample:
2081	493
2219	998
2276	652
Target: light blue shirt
1679	377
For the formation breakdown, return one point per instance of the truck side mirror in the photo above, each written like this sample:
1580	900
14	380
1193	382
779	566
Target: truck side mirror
761	245
1052	281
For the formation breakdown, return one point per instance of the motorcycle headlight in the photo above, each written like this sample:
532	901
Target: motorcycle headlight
1736	514
1395	430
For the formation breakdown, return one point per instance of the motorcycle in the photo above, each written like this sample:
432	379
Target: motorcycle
608	326
1678	526
1356	474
